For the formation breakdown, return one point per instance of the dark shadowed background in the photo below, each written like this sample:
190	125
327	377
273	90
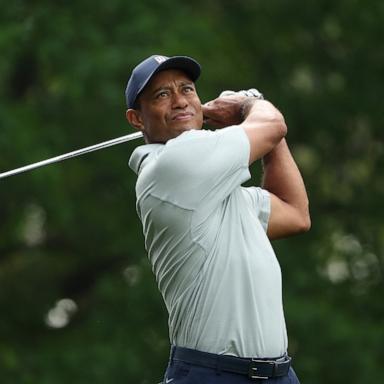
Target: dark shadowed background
78	303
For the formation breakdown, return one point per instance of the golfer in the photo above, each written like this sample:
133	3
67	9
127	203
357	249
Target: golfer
207	236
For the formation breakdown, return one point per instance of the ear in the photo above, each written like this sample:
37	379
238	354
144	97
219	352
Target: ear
134	118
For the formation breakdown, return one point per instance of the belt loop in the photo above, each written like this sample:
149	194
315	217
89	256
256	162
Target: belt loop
218	368
274	369
172	354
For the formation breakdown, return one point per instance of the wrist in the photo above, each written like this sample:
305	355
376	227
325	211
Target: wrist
246	107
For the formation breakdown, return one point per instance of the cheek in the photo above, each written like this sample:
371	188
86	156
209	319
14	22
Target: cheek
199	110
156	111
196	104
150	117
154	124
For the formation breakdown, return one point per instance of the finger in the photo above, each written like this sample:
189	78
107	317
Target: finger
208	113
209	108
208	104
206	108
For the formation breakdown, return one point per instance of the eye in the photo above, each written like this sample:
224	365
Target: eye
188	89
161	95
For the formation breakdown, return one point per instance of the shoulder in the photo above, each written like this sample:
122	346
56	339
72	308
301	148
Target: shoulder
223	149
205	134
141	153
201	142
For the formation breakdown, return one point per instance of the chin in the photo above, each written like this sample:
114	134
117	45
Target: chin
185	129
188	127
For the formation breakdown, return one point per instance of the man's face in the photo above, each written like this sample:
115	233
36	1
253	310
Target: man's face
169	105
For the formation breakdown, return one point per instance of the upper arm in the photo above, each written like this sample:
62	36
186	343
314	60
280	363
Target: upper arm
259	201
261	138
285	220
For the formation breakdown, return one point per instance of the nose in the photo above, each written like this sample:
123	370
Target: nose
179	101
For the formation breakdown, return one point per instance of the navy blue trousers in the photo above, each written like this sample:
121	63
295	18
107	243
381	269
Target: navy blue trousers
179	372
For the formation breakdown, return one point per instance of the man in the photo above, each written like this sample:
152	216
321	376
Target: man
207	237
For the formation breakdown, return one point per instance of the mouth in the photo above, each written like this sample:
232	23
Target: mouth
182	116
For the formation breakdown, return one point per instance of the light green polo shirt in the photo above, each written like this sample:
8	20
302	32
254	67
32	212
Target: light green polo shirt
206	240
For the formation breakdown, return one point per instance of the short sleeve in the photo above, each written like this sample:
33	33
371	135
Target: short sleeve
202	165
260	201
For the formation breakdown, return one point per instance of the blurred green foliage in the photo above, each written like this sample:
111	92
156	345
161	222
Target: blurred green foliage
78	301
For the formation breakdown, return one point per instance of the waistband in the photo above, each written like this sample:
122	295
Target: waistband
254	368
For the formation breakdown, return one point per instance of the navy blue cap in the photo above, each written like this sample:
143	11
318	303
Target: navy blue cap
143	73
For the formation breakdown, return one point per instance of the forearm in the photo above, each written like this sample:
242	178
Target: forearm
282	178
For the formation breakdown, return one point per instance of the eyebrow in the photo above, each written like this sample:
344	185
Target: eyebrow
167	87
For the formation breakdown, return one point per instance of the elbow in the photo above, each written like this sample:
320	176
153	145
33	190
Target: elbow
304	216
302	220
304	225
283	129
279	122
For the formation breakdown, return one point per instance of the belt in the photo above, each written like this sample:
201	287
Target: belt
253	368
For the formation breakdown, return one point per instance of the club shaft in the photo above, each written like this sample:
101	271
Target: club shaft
69	155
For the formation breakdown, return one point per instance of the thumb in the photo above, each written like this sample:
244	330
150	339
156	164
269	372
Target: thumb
207	107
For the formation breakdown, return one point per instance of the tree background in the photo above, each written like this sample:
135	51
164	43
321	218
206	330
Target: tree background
78	302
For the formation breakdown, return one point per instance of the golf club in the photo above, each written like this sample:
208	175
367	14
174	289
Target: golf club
78	152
